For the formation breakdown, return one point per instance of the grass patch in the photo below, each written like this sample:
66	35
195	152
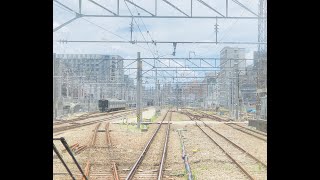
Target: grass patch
144	126
155	116
130	127
194	175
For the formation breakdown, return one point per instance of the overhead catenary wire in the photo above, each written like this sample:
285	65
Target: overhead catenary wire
224	34
138	27
67	10
231	24
154	48
141	32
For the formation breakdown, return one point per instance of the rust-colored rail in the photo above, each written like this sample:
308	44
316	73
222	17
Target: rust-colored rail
232	159
235	145
203	115
94	136
73	126
115	171
82	117
91	144
108	138
77	125
164	151
144	152
213	117
109	144
194	118
72	147
246	132
261	133
87	170
91	115
80	149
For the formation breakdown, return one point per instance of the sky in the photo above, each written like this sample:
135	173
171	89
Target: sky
160	29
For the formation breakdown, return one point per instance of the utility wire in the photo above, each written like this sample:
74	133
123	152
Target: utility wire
139	28
102	27
147	31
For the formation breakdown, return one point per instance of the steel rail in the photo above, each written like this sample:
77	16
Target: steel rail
192	117
258	137
235	145
64	128
108	138
164	152
141	157
250	129
115	172
233	160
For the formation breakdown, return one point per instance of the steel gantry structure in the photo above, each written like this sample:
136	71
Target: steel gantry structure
155	13
261	105
189	65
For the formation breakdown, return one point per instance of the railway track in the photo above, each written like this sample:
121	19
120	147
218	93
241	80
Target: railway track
259	135
84	116
211	116
77	125
201	115
251	130
251	166
247	131
88	115
155	173
100	163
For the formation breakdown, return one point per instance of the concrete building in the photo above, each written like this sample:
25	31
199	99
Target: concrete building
210	91
248	86
232	66
192	94
130	90
83	79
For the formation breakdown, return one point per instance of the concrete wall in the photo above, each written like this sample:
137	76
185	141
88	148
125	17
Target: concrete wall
260	125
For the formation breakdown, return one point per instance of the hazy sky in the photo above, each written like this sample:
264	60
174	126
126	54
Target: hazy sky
159	29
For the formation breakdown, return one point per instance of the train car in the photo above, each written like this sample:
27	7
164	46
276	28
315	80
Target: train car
107	105
102	104
131	105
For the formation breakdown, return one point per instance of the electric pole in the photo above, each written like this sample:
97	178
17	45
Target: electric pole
131	30
139	84
237	91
